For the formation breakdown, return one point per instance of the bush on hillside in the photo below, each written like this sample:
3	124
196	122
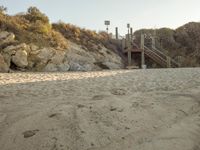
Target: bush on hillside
87	38
34	14
3	9
184	41
189	36
32	27
40	27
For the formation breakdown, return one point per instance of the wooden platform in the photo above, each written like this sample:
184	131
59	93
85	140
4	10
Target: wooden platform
133	50
132	67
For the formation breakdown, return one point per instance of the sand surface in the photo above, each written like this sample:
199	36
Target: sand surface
109	110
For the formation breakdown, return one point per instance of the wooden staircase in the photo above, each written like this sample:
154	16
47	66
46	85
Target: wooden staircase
160	58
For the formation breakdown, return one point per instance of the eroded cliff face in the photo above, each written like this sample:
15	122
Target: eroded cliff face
29	57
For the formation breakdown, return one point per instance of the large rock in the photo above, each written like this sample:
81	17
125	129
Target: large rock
11	50
6	37
74	66
80	59
58	62
7	58
112	65
39	58
17	54
20	59
3	66
83	60
58	57
63	67
45	55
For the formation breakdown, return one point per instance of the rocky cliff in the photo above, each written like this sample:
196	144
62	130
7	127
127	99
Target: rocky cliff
29	42
30	57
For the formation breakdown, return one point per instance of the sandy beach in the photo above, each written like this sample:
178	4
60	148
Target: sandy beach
156	109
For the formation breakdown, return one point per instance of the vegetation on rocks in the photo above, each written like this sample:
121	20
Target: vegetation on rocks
28	42
32	27
183	42
87	38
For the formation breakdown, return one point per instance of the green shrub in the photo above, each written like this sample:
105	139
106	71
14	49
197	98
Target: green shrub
3	9
40	27
34	14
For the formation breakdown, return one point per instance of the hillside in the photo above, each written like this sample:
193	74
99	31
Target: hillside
28	42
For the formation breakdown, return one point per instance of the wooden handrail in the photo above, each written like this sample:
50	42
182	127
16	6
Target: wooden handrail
161	54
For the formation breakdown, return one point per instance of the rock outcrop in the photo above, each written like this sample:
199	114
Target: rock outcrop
20	58
84	60
33	58
18	55
6	37
3	65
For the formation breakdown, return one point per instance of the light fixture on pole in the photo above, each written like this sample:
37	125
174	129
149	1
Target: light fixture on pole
107	23
128	26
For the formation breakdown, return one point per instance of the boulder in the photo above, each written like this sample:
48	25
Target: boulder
6	37
34	47
80	59
51	68
45	54
74	66
57	62
58	57
63	67
7	58
39	59
20	59
112	65
11	50
3	66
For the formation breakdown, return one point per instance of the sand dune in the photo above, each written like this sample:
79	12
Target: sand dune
108	110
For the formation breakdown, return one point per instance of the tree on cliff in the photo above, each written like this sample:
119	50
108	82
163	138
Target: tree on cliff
34	14
39	21
3	9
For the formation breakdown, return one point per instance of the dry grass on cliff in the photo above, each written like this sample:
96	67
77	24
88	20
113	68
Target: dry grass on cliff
87	38
28	30
34	27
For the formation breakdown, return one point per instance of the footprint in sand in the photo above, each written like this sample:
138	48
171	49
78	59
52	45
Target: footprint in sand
30	133
118	92
54	115
98	97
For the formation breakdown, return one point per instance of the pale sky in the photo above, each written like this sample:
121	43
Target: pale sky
92	13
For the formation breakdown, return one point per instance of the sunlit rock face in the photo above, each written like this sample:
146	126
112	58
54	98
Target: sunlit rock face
3	66
29	57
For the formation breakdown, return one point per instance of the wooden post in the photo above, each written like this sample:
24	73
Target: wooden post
153	43
142	54
131	34
129	57
153	46
123	44
129	49
168	62
116	33
179	61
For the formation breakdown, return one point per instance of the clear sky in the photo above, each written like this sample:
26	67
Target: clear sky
92	13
